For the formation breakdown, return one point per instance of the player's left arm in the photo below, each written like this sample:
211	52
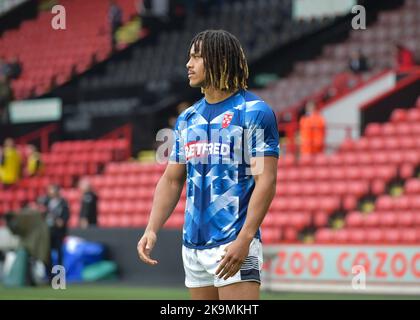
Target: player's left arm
262	146
264	170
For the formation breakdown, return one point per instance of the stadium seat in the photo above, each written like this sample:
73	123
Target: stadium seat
409	236
388	219
398	115
412	186
357	236
392	236
324	235
374	235
354	219
373	129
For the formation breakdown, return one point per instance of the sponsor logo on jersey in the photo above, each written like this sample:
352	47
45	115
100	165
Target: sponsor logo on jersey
198	149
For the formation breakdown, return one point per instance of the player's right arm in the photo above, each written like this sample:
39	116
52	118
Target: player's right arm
166	197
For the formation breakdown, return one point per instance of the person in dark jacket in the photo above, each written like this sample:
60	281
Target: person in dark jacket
88	208
115	20
57	217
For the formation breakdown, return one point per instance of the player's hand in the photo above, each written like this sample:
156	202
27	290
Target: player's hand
232	260
145	246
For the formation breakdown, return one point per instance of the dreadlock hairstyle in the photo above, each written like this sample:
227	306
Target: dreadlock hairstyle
225	64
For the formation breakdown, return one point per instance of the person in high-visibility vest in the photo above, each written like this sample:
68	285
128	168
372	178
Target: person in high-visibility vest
33	164
312	130
11	164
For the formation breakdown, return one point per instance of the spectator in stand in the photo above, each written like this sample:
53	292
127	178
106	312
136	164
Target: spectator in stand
11	164
358	62
115	20
14	69
88	208
312	130
5	96
34	163
405	58
57	217
3	67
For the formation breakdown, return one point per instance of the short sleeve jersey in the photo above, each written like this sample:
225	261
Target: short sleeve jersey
216	142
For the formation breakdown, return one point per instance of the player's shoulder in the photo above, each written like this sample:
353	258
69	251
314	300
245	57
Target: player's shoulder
184	115
190	110
254	103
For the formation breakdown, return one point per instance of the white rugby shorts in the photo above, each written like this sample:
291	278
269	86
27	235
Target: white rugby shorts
200	266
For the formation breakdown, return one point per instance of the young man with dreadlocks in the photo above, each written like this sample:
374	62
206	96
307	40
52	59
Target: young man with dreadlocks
226	146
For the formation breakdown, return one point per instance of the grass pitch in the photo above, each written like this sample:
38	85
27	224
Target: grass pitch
117	292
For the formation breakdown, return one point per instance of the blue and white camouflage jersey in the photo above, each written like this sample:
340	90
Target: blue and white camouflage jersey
216	142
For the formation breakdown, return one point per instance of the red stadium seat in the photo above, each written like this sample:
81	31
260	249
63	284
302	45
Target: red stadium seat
373	129
362	144
398	115
320	219
341	236
354	219
388	219
321	160
287	160
402	202
409	236
324	235
403	128
392	236
347	145
406	170
357	236
290	234
350	202
378	186
384	203
139	220
371	220
374	235
389	129
412	186
405	219
413	115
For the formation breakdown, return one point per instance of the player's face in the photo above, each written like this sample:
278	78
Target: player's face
195	66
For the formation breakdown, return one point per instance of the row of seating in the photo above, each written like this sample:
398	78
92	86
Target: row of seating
404	202
342	173
272	235
369	236
88	145
384	143
132	221
383	219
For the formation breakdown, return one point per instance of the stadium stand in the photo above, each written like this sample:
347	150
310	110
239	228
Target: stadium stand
255	23
85	41
313	79
394	219
8	5
310	189
64	164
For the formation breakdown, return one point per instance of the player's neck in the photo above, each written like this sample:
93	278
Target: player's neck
214	96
